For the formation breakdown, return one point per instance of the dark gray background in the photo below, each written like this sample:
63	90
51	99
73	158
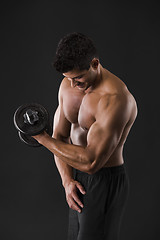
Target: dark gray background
32	200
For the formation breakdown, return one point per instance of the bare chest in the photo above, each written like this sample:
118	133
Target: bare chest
81	109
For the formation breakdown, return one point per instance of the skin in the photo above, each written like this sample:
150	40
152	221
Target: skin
96	112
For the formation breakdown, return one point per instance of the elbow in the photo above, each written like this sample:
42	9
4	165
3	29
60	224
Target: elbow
94	165
86	162
90	163
90	171
91	167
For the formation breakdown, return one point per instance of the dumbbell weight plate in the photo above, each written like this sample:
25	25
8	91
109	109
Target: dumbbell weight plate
28	140
38	126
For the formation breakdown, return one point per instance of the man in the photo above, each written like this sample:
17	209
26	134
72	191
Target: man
91	124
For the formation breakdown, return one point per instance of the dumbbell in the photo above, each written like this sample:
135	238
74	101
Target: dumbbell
30	120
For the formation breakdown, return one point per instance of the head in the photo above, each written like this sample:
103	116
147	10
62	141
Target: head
77	59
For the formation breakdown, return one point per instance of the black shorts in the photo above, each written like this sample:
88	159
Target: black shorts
104	203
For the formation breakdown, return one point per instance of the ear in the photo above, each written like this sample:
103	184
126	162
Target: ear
95	63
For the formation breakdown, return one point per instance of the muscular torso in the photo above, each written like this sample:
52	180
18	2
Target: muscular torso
80	110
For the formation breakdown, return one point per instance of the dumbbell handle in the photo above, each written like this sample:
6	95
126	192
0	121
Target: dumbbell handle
31	117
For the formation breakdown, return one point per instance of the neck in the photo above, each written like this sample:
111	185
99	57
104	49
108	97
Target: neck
97	80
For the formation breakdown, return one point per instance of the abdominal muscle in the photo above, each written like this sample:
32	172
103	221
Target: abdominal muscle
78	136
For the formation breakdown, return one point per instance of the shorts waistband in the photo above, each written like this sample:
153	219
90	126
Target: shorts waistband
112	170
116	169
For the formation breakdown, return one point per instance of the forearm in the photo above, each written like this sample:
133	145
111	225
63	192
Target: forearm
65	171
73	155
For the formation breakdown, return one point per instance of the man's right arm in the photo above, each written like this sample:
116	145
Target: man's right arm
66	171
61	131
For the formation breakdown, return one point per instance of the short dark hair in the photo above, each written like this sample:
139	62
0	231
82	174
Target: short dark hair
74	51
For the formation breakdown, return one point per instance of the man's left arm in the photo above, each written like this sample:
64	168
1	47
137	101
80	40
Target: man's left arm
102	139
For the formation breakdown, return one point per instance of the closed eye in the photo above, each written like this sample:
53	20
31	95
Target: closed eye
79	77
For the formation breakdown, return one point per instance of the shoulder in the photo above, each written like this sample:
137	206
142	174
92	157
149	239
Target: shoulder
117	105
64	86
113	100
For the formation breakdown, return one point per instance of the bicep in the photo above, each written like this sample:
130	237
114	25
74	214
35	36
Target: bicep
101	141
105	133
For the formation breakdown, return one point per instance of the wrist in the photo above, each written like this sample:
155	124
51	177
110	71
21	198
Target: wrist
67	181
44	138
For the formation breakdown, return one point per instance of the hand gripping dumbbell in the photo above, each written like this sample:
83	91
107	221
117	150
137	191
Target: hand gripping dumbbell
30	120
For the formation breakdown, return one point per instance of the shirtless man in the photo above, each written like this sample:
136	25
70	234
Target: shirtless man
91	124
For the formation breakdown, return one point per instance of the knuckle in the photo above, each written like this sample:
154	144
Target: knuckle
78	183
72	206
